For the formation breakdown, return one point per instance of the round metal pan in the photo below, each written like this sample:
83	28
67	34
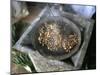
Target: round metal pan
59	54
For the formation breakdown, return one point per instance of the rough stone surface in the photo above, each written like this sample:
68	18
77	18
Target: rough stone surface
43	64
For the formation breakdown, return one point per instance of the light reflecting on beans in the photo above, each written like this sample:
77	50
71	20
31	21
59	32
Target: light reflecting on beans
50	36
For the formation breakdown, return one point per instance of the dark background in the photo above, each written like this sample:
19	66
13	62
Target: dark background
90	58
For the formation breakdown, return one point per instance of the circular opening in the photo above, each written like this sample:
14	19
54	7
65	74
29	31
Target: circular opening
56	37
